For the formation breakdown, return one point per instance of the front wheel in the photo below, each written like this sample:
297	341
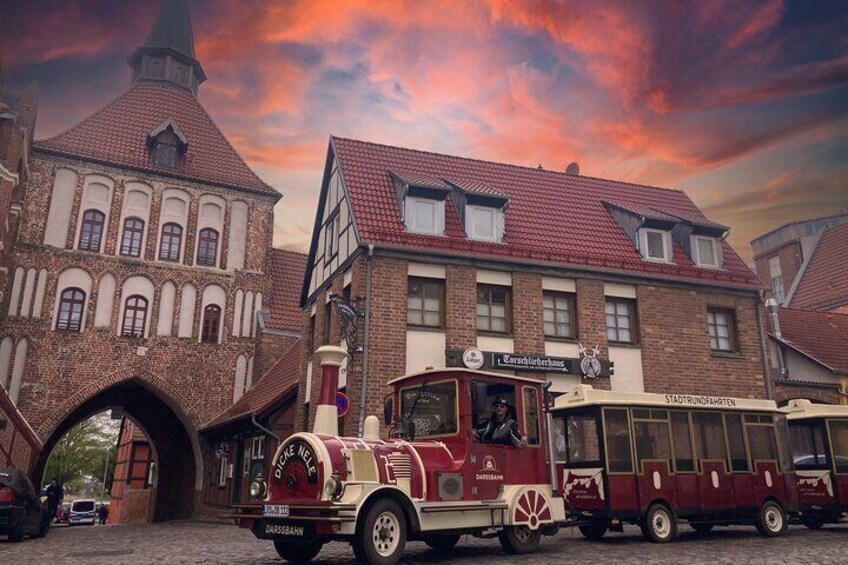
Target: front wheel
594	530
660	525
519	539
442	542
297	552
382	538
772	520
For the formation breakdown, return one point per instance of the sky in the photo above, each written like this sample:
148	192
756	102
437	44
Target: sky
742	105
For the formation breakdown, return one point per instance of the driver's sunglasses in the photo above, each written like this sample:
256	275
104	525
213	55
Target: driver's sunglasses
500	405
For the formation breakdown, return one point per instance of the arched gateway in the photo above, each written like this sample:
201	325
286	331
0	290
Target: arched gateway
173	437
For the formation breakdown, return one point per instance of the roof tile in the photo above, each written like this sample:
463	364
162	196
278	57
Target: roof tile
553	217
824	282
286	269
821	335
117	135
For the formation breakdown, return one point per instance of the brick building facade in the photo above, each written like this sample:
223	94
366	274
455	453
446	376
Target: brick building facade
442	254
141	270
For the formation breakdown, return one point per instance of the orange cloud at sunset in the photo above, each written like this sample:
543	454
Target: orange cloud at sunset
741	104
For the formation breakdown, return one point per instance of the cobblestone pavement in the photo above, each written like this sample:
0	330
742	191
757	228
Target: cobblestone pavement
199	542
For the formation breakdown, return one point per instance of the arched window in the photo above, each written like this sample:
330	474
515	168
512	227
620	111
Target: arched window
92	230
131	240
211	323
207	247
135	316
169	245
70	310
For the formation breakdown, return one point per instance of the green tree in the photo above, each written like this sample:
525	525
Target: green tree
82	451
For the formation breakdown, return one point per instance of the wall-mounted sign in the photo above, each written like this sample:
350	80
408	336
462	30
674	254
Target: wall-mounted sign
472	358
588	366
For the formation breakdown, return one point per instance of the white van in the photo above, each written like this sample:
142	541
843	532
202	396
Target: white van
82	512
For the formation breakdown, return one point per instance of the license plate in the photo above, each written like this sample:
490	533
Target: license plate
275	510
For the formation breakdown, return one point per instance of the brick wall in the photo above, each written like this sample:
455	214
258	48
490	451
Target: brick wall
674	341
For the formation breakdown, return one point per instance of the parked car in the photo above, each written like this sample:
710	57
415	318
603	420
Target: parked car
82	512
21	511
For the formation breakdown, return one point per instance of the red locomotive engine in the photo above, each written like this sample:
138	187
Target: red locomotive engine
433	480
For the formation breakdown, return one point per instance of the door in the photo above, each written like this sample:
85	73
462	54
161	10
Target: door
715	483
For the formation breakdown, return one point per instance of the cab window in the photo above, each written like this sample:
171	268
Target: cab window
580	445
484	394
430	409
808	447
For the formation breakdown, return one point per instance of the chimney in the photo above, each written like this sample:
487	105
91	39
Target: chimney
330	358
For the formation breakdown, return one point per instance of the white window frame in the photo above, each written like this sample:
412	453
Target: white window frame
496	215
643	245
696	252
438	215
222	472
258	450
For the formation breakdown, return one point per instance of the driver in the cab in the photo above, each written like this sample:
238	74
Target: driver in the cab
501	427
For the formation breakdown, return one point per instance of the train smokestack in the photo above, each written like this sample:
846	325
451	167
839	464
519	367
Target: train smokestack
326	414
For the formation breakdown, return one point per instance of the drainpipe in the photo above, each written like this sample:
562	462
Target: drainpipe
263	428
363	382
764	349
774	320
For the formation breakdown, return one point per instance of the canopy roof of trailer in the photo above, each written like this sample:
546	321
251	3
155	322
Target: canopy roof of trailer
585	395
463	370
800	408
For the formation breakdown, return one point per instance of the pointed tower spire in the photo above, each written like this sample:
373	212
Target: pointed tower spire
168	52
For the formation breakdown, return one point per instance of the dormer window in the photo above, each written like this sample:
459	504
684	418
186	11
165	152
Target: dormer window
706	251
166	154
655	244
484	223
167	142
425	215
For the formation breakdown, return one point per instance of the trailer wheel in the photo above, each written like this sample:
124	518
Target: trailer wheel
660	525
519	539
382	538
16	534
772	520
297	552
812	522
701	527
442	542
594	530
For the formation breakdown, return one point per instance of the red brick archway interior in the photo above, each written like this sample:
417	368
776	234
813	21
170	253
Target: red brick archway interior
176	472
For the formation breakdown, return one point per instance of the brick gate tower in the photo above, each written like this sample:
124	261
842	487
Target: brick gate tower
139	268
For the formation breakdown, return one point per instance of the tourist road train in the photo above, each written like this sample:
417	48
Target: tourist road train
592	458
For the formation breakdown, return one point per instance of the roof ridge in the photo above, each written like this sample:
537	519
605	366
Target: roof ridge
230	145
816	312
96	113
512	165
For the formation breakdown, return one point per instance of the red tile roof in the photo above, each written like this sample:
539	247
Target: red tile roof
824	281
117	135
644	211
286	269
820	335
275	385
552	217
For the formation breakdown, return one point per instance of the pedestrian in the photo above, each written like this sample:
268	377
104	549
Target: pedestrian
103	514
55	495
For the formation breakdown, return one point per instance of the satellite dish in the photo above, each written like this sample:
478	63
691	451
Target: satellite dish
572	169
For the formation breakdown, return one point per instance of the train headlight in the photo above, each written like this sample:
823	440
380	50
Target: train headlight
333	487
257	488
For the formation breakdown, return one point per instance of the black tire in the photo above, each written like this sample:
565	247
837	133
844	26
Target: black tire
813	523
16	534
595	530
442	542
702	528
771	521
519	539
298	552
660	525
382	536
